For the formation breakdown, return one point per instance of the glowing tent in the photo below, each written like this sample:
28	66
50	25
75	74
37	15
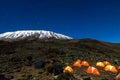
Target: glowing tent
84	63
100	64
68	69
92	70
77	63
106	63
110	68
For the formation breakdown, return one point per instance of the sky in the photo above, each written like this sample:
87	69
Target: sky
96	19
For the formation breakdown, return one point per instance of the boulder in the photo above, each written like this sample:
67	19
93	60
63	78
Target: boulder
39	64
58	69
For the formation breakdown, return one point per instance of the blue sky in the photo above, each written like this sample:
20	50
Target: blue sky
96	19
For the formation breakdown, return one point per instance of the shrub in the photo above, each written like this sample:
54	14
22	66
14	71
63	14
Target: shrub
116	61
104	79
49	68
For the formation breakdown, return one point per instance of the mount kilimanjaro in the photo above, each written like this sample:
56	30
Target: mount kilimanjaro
32	34
20	60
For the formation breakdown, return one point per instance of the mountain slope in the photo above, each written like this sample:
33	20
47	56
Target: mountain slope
19	57
31	34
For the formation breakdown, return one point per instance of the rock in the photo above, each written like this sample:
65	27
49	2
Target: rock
6	77
39	64
55	77
2	77
58	69
9	77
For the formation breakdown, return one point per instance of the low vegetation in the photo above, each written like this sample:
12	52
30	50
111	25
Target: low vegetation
37	59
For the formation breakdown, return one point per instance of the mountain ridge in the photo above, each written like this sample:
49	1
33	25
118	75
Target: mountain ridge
32	34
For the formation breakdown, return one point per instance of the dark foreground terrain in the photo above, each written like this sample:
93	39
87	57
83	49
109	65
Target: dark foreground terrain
37	59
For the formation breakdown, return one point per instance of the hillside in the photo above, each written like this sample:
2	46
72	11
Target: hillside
18	57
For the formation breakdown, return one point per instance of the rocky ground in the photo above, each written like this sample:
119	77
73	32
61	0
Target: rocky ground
37	59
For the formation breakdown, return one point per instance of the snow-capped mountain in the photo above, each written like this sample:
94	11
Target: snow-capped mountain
31	34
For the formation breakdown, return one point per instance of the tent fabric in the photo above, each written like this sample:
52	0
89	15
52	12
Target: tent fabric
93	70
68	69
106	63
77	63
111	68
84	63
100	64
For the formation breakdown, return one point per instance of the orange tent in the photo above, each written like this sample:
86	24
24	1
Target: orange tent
77	63
100	64
111	68
68	69
93	70
106	63
84	63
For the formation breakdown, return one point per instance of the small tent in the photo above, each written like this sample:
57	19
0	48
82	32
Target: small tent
92	70
106	63
77	63
68	69
84	63
111	68
100	64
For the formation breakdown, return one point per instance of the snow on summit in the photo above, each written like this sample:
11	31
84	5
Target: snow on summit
40	34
